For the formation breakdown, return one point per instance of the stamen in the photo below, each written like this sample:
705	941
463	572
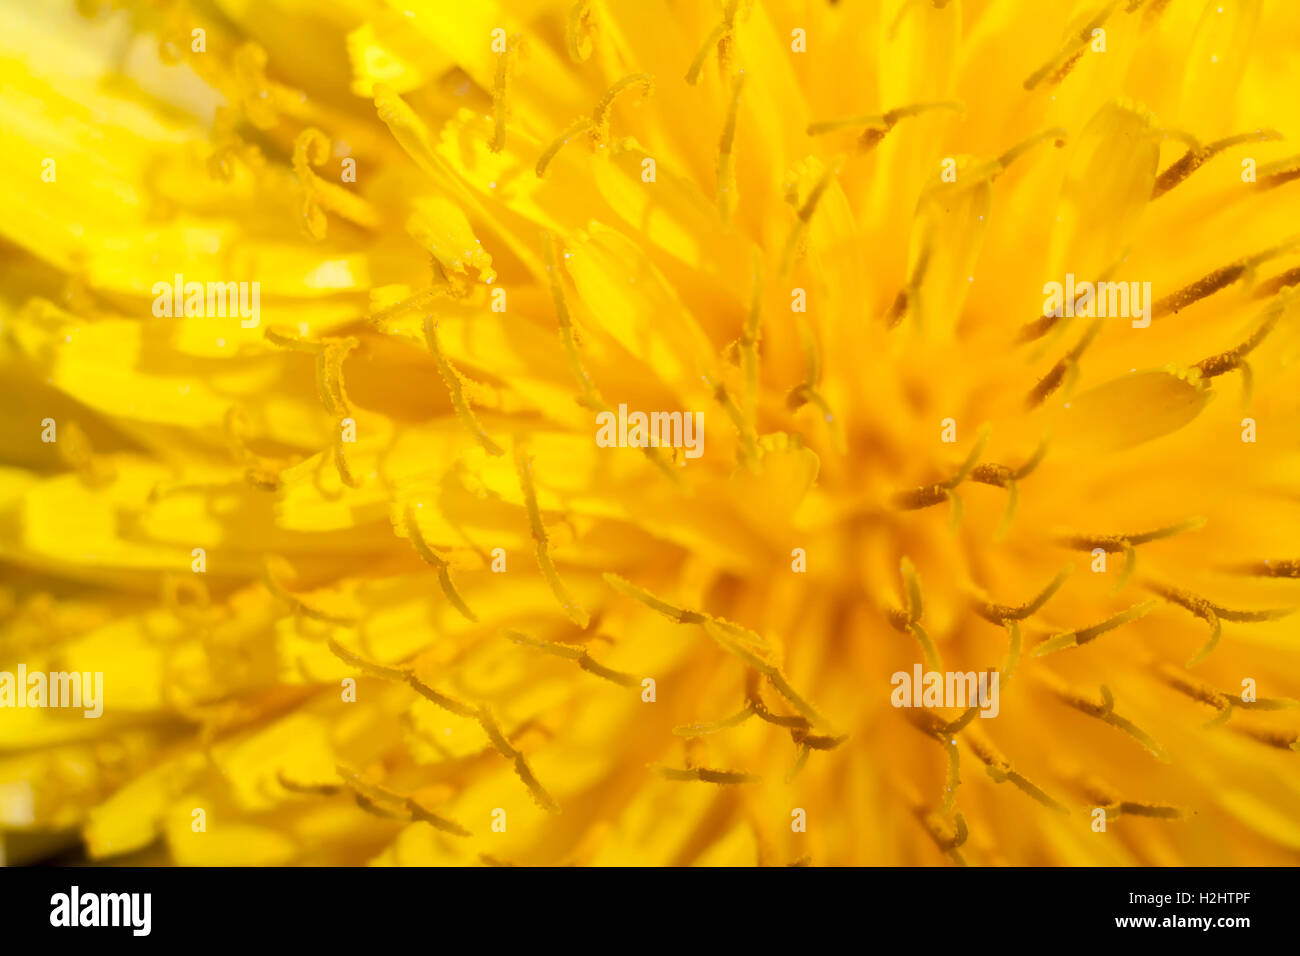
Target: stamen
1202	693
1013	651
721	36
1101	795
1002	476
373	797
385	671
501	90
579	33
913	584
1000	770
716	35
957	726
1211	613
725	777
1160	811
293	343
588	397
452	379
798	764
1116	543
1191	524
1067	364
805	214
260	472
676	614
1273	736
371	806
329	374
577	654
1064	59
806	394
748	440
346	474
312	789
412	303
1277	173
929	723
1003	613
600	118
818	741
744	643
726	161
524	468
928	495
1103	711
578	126
954	775
444	569
725	633
897	310
1056	134
522	769
1264	703
312	148
273	584
1273	568
1276	284
1197	156
449	704
1219	279
420	812
798	726
1232	359
700	730
924	497
1200	289
947	837
909	620
879	124
1087	634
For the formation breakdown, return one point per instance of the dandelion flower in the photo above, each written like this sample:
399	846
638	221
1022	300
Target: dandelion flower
364	588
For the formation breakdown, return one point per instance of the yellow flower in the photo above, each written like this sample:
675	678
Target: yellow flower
311	315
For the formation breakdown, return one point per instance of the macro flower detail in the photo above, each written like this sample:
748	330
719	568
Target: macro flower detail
312	315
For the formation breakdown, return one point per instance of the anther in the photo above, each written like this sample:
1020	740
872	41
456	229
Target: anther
1085	635
1061	62
501	91
707	775
726	159
1220	278
600	117
452	379
312	148
719	36
1002	613
579	32
1065	367
577	654
524	469
439	563
1197	156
